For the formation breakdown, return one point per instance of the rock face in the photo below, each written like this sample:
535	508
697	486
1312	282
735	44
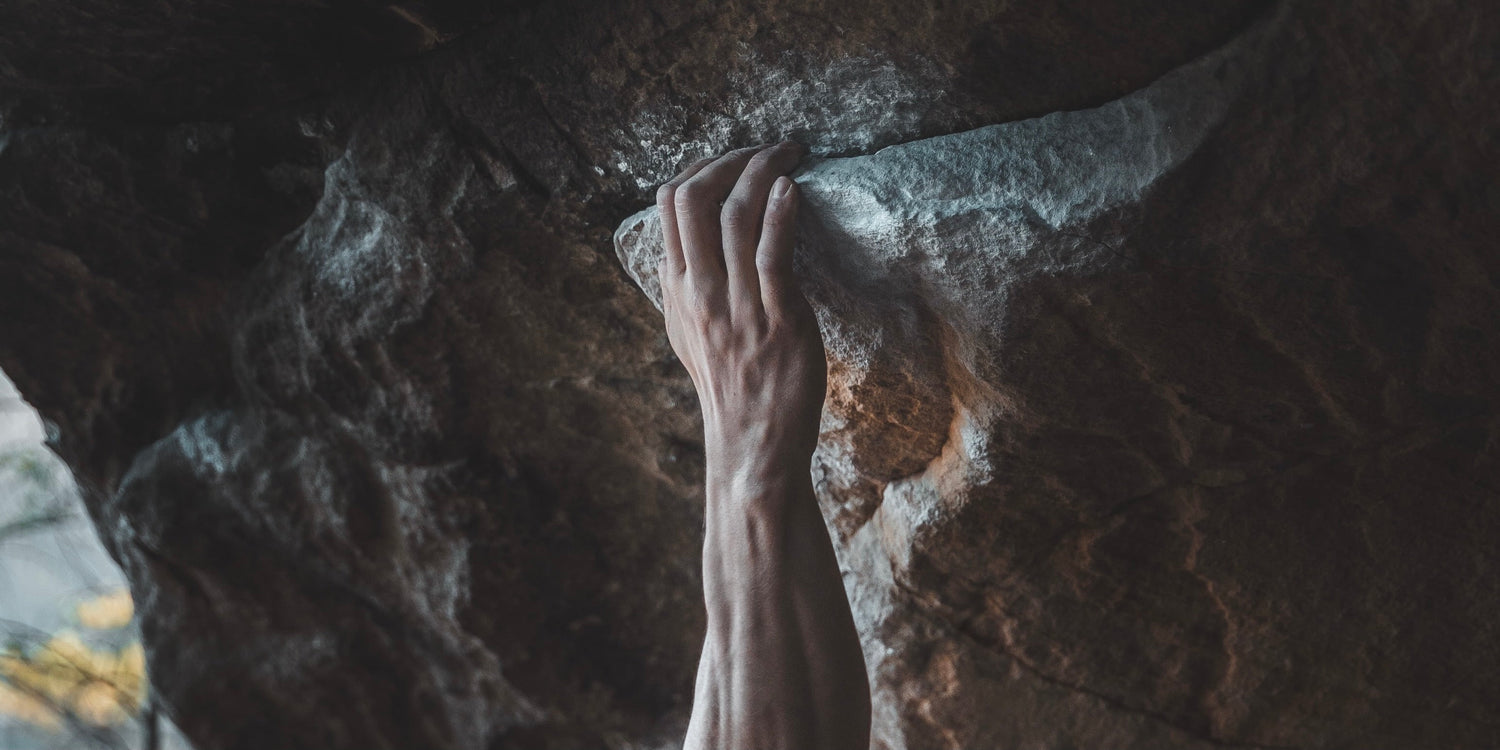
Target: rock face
937	234
1164	420
1077	512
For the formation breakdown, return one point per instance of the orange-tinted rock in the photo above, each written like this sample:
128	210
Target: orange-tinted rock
396	454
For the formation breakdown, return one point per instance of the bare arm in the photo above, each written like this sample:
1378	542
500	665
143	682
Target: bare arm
781	666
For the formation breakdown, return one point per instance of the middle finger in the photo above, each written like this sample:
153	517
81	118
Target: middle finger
697	204
741	220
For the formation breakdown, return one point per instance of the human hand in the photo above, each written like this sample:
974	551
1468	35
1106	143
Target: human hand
736	318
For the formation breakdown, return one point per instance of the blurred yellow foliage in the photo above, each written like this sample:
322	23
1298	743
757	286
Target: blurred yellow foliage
112	610
66	674
28	708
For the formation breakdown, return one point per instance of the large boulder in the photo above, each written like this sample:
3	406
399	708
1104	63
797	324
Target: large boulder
1164	419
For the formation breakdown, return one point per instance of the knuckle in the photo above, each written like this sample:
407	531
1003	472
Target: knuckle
664	194
700	303
754	328
768	264
690	195
738	213
667	274
780	325
761	160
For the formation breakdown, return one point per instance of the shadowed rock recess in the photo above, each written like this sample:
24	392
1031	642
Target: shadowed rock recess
1162	336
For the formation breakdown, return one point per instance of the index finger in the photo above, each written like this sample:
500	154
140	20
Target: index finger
666	209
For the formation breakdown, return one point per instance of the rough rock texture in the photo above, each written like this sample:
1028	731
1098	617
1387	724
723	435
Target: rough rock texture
935	234
1184	446
1084	451
172	60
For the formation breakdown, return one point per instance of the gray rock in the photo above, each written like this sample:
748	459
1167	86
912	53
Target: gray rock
938	235
394	453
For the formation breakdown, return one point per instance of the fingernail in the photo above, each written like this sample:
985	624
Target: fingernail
781	188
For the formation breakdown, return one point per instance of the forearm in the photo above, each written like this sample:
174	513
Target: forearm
782	665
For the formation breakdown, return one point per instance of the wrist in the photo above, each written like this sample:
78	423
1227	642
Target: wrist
749	485
757	504
756	474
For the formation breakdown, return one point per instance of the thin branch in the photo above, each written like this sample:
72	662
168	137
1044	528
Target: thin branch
37	522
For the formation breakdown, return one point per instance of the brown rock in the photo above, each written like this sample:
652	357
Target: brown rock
396	455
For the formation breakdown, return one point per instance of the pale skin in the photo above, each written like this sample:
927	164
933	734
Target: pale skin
781	667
